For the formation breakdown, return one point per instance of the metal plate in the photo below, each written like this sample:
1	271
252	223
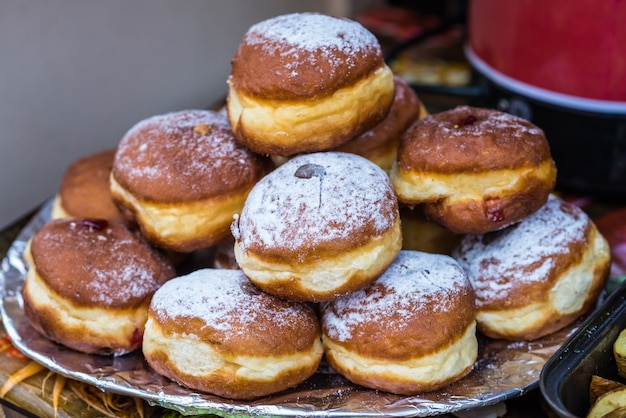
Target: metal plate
503	370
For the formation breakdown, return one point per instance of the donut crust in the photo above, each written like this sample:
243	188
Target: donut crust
412	331
380	144
318	226
306	82
77	289
537	276
84	190
181	176
261	346
474	170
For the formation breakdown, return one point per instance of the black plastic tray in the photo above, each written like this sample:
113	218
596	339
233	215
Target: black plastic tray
566	376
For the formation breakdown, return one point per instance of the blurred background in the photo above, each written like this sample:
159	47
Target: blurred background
76	75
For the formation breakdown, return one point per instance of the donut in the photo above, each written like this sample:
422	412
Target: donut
84	191
380	144
318	226
474	170
215	332
89	284
411	331
538	275
181	176
420	234
224	255
306	82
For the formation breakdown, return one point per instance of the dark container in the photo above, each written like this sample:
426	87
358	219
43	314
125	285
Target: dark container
566	376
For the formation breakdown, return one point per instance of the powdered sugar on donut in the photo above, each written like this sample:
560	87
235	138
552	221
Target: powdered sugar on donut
183	152
501	261
466	121
100	265
305	33
223	299
332	197
412	282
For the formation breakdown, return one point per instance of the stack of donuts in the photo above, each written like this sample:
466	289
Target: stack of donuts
335	219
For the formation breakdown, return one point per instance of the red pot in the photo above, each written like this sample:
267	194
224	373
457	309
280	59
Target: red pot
564	52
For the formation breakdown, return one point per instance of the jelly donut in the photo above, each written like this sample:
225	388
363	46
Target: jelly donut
89	284
181	176
318	226
413	330
306	82
84	191
214	331
380	144
538	275
474	170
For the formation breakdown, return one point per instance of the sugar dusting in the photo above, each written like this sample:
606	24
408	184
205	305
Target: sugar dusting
305	33
288	211
486	122
500	261
166	148
223	299
111	268
413	280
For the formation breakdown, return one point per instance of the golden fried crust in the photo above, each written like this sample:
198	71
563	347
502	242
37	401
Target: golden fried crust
214	331
89	284
314	206
380	144
184	156
172	171
84	190
306	82
94	330
420	234
474	170
472	140
319	225
303	56
537	276
420	310
95	262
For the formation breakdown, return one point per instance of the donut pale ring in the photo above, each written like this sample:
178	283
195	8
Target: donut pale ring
89	284
380	144
537	276
214	331
318	226
85	192
474	170
306	82
181	176
413	330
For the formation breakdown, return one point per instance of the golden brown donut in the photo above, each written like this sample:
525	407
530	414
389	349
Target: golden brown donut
84	191
214	331
306	82
420	234
380	144
89	284
318	226
474	170
536	276
181	176
413	330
